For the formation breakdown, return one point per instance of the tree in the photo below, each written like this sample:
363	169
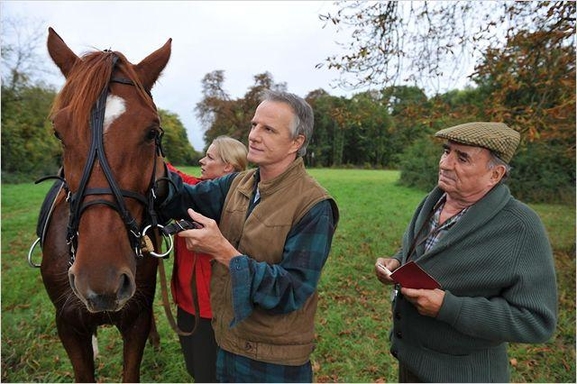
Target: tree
531	79
214	96
425	43
411	114
175	142
368	139
28	147
219	114
222	115
332	118
319	148
21	64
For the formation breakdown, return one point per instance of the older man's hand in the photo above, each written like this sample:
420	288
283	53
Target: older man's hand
427	301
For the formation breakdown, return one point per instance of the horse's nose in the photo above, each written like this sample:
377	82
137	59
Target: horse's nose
110	297
126	287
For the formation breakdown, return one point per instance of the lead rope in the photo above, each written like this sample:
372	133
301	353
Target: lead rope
166	302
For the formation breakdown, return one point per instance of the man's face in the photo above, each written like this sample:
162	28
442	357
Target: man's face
270	138
464	172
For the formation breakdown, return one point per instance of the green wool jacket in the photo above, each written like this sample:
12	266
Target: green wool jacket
496	267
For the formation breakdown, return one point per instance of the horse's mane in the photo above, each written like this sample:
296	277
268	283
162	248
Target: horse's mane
87	80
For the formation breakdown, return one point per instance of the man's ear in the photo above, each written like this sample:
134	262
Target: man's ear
298	142
497	173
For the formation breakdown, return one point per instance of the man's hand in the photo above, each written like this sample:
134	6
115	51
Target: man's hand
208	239
383	269
427	301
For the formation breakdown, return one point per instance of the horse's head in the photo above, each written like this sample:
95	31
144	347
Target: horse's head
110	133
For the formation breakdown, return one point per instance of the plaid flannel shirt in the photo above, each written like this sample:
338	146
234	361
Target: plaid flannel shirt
436	231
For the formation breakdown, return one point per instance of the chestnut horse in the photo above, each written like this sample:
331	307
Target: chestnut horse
93	264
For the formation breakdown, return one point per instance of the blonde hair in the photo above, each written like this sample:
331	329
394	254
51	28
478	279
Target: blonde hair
231	151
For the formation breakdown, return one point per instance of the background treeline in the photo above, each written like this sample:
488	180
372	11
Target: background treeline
527	82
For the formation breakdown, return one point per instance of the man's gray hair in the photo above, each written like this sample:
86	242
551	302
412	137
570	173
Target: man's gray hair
303	115
495	160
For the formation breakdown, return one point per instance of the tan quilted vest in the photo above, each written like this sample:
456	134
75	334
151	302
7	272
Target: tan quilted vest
286	339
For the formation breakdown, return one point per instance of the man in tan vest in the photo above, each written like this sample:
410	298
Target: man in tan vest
269	231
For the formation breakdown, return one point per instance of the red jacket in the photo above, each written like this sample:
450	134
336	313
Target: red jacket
182	269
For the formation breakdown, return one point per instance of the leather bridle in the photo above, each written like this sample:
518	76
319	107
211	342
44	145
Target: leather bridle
77	201
78	205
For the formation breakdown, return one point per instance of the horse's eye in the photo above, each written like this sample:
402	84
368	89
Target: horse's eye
57	135
153	133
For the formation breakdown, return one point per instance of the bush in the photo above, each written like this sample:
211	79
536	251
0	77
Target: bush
543	173
419	164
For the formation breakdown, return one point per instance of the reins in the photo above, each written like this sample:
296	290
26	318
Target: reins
166	301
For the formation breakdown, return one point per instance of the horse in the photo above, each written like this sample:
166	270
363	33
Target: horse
94	267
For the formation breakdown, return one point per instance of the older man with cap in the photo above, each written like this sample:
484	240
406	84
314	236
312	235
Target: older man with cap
489	253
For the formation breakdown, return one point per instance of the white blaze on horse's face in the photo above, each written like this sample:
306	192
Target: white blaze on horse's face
115	106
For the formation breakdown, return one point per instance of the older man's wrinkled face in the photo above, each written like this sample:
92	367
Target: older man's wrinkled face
464	172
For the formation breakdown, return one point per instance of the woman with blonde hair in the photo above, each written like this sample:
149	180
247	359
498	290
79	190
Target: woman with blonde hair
224	155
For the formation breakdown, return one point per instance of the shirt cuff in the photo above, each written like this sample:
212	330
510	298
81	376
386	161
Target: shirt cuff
241	281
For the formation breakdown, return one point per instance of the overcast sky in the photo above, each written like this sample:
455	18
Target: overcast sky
243	38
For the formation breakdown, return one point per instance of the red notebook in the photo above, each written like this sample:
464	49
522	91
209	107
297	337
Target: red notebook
411	275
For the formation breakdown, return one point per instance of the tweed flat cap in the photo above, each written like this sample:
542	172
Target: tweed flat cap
497	137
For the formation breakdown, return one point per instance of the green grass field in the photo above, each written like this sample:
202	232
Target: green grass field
354	310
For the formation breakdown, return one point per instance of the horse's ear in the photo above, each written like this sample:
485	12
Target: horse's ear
62	56
149	69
